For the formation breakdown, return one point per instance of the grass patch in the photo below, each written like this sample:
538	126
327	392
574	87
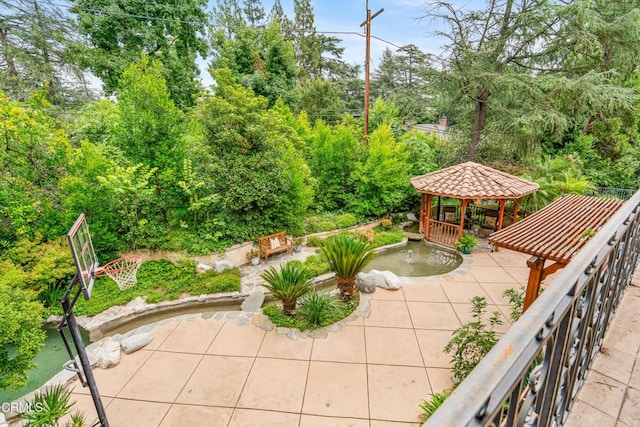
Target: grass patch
328	222
157	281
321	313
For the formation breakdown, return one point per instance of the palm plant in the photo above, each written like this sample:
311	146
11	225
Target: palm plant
290	283
49	406
347	256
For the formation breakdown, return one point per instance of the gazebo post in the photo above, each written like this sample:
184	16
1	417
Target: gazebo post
515	210
501	213
536	266
427	229
422	213
463	211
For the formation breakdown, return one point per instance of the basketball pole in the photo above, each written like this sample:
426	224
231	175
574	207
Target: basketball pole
70	320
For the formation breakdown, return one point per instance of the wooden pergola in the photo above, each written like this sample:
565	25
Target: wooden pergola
555	233
465	182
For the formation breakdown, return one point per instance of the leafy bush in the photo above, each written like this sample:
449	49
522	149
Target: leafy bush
49	406
317	264
281	320
346	220
473	340
158	281
317	309
430	406
386	224
384	238
315	241
322	310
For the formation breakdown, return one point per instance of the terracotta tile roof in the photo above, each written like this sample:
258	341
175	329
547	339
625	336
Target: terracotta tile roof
559	230
473	181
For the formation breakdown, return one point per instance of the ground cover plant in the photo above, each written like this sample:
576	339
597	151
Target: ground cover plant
157	281
316	310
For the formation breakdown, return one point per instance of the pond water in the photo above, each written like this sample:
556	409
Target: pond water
413	228
50	360
425	259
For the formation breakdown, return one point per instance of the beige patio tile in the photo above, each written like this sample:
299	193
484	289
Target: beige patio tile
582	415
160	334
622	337
520	274
433	315
389	313
440	379
614	364
379	423
316	421
634	381
218	381
495	291
136	413
602	393
630	413
236	340
482	259
83	403
192	336
492	275
161	378
253	418
464	313
359	321
111	381
388	295
432	343
342	346
396	391
457	277
505	257
275	384
283	347
336	390
187	415
392	346
463	291
427	291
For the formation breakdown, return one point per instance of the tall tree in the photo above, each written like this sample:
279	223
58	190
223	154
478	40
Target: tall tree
254	12
169	30
495	57
34	38
227	16
305	39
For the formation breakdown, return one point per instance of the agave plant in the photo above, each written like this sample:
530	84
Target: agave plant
49	406
347	256
290	283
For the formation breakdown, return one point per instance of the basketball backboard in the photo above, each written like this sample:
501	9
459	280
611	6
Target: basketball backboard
83	254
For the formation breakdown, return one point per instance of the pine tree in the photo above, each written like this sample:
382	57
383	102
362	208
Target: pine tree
254	12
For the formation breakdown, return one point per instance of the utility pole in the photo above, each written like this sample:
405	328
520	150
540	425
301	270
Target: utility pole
367	65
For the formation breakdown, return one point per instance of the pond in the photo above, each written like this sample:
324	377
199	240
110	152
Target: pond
416	259
50	360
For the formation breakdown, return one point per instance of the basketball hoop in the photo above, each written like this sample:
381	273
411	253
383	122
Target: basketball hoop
122	271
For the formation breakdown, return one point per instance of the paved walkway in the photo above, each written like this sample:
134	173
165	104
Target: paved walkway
374	372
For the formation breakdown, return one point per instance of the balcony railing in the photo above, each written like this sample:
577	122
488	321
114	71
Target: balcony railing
531	377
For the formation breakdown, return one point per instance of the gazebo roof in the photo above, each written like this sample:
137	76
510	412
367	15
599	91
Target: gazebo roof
473	181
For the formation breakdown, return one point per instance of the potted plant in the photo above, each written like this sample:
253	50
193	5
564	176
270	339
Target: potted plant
297	244
253	256
467	243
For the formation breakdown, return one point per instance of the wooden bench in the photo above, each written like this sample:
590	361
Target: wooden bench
265	244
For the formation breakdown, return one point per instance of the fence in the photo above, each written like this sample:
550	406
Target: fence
531	377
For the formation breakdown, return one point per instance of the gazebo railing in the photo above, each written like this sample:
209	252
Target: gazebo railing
533	374
443	232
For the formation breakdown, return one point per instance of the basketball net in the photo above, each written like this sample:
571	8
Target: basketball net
122	271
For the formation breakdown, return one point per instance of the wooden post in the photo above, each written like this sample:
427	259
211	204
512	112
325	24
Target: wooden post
463	209
515	210
422	212
427	230
501	213
536	267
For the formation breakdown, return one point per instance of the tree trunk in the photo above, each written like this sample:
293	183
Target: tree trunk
346	285
289	306
478	124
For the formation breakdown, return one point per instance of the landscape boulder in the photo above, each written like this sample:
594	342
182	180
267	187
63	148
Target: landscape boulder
381	279
135	342
222	265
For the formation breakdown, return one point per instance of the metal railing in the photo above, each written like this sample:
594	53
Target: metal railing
618	193
533	374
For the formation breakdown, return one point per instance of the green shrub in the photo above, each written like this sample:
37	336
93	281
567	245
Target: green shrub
49	406
317	309
288	284
317	264
383	238
386	224
346	220
340	311
281	320
430	406
315	241
212	282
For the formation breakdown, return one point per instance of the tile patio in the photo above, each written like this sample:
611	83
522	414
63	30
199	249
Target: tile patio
372	373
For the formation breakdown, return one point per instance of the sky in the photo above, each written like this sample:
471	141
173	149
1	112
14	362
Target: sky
401	23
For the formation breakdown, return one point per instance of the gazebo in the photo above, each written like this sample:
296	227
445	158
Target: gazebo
555	234
465	182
